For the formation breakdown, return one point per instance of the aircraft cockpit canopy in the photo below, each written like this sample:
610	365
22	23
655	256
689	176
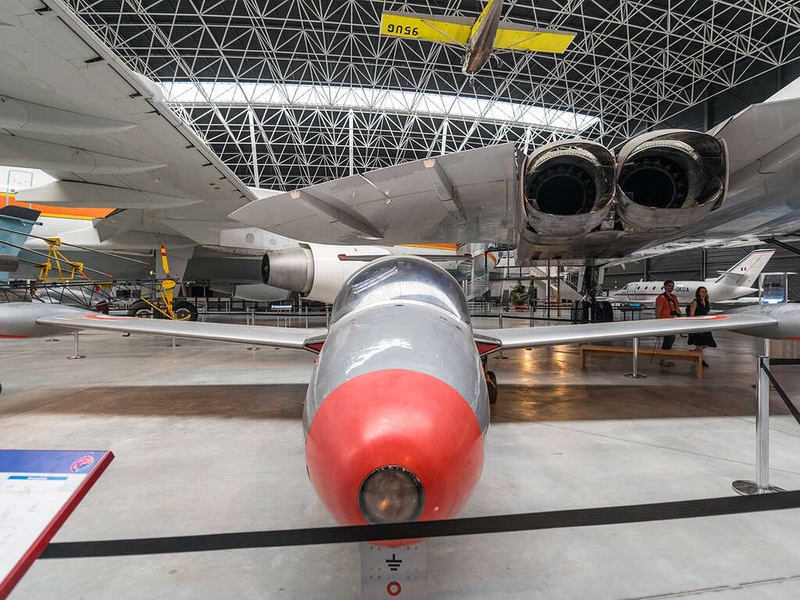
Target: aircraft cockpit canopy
401	278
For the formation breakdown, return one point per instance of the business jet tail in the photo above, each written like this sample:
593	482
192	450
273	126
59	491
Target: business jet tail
746	271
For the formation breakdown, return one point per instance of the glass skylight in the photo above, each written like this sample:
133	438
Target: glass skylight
373	99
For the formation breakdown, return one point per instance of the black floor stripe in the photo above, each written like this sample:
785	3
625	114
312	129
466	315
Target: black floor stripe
686	509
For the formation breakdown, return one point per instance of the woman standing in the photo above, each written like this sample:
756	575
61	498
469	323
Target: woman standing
699	307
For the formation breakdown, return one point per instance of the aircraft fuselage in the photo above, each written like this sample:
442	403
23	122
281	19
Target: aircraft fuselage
397	399
648	291
481	42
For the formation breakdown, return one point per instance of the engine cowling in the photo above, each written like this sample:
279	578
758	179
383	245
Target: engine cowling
314	270
579	202
289	269
669	179
568	187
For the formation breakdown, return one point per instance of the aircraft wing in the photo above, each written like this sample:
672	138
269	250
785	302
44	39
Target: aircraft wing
530	337
434	28
511	36
279	337
72	108
466	195
763	144
762	138
763	321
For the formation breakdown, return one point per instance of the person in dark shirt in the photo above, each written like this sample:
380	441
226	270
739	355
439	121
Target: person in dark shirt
699	307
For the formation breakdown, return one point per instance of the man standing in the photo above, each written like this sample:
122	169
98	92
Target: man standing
667	308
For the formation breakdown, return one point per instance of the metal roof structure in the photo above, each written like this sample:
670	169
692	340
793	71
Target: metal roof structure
291	93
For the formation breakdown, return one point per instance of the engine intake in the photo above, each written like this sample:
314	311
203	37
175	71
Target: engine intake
670	179
568	187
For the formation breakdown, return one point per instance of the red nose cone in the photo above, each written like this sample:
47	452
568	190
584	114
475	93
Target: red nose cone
394	418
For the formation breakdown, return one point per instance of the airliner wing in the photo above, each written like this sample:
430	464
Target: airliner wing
762	138
448	30
279	337
529	337
462	196
763	144
71	107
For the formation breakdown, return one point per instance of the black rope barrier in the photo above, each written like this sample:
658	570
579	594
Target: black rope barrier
781	393
686	509
784	361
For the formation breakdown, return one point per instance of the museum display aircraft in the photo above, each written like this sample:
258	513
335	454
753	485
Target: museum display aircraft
109	138
734	283
479	37
397	406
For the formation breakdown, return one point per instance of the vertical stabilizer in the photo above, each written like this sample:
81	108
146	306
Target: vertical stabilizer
746	271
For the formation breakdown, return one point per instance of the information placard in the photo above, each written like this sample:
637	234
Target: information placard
39	489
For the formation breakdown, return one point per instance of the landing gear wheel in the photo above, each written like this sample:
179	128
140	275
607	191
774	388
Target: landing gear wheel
184	311
141	309
491	383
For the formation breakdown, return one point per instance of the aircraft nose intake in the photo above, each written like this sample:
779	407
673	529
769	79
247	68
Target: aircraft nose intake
394	445
391	494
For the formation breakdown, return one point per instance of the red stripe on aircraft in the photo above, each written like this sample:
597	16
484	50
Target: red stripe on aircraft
104	317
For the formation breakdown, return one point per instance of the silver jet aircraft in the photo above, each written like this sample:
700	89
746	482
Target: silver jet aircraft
400	322
397	406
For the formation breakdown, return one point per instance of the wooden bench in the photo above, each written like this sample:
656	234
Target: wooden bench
695	355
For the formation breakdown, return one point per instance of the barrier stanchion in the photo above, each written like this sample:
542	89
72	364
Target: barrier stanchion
500	325
635	374
251	321
761	484
76	352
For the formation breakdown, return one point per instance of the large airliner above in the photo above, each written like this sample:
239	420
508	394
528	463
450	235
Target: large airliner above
122	147
734	283
479	37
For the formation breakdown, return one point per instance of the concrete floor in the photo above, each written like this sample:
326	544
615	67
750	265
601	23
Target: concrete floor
208	439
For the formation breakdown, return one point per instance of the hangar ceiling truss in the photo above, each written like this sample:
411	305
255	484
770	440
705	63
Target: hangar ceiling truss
633	65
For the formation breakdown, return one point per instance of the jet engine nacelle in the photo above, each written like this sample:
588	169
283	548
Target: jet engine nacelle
314	270
568	187
579	202
669	179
